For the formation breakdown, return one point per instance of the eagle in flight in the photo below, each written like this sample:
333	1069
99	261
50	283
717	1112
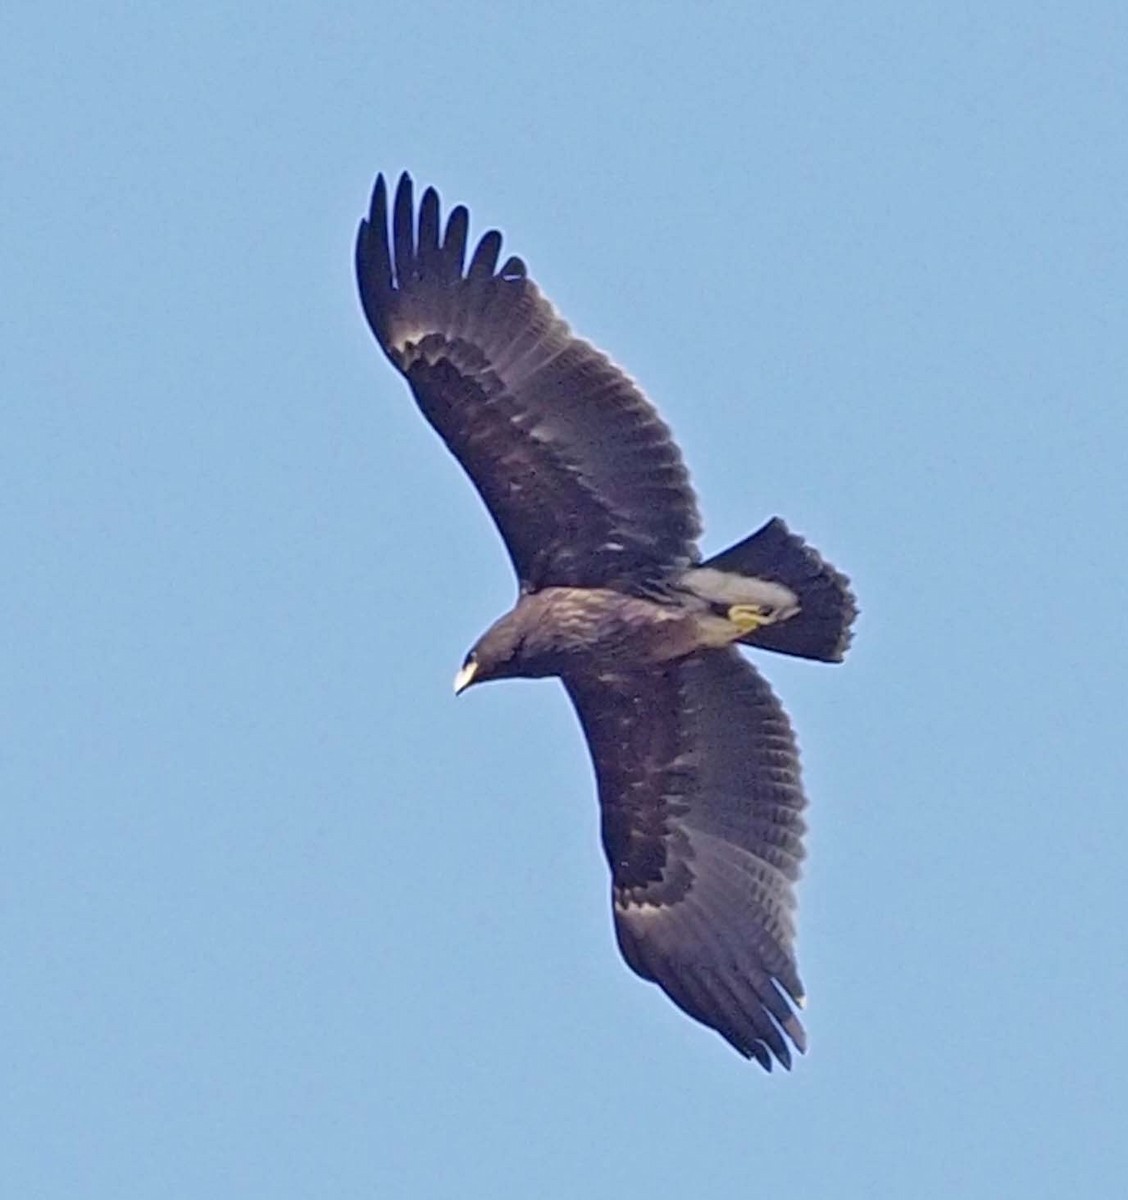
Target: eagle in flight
695	762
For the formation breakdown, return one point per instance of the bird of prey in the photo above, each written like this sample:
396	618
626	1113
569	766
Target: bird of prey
696	766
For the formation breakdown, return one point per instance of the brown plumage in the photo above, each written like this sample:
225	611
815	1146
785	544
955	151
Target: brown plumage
695	762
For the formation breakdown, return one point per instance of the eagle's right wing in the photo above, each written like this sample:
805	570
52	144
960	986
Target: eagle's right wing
701	804
581	476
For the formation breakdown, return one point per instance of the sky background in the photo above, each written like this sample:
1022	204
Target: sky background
281	918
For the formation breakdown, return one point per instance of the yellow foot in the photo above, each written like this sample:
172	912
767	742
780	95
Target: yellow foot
748	617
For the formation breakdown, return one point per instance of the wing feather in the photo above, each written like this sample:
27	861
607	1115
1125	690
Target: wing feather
579	473
454	243
702	804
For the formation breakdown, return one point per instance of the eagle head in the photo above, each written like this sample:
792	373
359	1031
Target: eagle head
525	642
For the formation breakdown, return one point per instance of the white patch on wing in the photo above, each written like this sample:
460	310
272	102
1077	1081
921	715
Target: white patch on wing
407	337
639	908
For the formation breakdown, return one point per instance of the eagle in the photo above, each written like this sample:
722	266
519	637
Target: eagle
695	762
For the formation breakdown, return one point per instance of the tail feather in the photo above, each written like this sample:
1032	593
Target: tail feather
820	629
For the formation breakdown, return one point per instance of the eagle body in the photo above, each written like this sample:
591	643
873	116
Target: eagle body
696	765
574	632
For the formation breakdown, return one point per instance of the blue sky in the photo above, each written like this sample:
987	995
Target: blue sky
281	918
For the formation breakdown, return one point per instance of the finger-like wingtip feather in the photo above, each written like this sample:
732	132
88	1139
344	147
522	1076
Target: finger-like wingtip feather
403	233
454	241
484	262
373	258
429	231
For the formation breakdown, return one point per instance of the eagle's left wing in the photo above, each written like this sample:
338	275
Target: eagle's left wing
576	468
701	803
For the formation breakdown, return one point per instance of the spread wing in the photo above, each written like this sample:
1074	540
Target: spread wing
579	473
701	804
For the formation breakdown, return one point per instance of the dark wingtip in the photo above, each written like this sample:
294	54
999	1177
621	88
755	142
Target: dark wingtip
484	262
406	262
429	230
403	229
373	259
379	192
454	239
398	250
377	207
761	1054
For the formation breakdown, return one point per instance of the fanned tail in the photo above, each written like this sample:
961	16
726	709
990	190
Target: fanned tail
822	607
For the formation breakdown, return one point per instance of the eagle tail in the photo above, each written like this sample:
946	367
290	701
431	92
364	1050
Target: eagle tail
822	605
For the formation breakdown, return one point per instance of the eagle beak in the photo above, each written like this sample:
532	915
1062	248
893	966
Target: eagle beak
465	676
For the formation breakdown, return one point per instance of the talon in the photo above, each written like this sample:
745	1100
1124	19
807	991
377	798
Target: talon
747	617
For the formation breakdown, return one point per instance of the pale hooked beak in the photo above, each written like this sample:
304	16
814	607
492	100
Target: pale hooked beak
465	676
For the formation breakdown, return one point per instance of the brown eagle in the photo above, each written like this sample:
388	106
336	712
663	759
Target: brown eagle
696	765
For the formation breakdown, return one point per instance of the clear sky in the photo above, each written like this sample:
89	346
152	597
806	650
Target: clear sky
281	918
